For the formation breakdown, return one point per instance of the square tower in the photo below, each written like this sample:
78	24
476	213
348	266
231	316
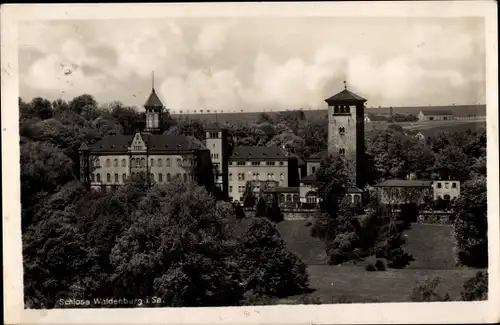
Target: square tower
346	131
218	144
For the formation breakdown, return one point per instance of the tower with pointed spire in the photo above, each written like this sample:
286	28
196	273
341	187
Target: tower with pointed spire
346	129
154	111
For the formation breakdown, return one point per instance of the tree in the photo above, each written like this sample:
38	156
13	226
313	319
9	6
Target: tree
273	212
427	291
476	288
269	269
248	197
471	224
452	163
84	104
42	107
188	127
178	247
261	208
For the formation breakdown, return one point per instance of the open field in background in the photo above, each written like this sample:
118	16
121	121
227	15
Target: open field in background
235	117
431	126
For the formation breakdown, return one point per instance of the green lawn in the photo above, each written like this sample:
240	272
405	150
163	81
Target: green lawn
430	245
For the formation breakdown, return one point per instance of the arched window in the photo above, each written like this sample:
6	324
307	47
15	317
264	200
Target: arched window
160	177
341	130
446	197
169	177
98	178
108	163
124	162
185	176
296	198
124	177
282	177
230	176
282	198
178	162
143	162
168	162
116	177
184	162
289	198
108	177
152	162
311	197
115	162
159	162
132	162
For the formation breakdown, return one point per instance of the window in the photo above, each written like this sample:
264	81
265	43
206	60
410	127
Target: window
213	134
289	198
230	188
446	185
116	177
272	175
124	177
230	176
241	189
255	163
184	162
215	156
296	198
254	176
342	130
439	185
270	163
168	162
159	162
98	178
143	162
124	162
281	163
282	177
178	175
169	177
311	197
241	163
453	185
446	197
185	177
108	177
115	162
151	176
282	198
152	162
241	176
132	162
178	162
258	176
160	177
342	151
313	169
108	163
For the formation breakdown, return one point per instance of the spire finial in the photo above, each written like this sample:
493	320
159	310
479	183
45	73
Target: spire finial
153	80
345	84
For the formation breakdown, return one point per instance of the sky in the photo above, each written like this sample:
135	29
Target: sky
256	64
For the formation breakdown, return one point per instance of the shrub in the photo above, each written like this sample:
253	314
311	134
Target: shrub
476	288
370	267
380	265
427	291
397	258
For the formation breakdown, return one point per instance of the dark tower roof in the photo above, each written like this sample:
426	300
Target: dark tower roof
153	101
345	96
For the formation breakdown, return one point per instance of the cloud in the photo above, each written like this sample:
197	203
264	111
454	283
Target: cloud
227	65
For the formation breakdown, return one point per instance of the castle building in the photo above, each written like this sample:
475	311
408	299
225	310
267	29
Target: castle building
156	157
220	165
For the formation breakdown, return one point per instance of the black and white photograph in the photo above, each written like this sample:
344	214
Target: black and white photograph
252	156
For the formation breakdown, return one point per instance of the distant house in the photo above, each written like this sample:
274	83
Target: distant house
375	118
420	136
435	115
446	189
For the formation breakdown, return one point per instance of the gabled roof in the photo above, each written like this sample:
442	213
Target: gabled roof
153	100
376	117
436	112
155	143
353	190
345	96
308	178
262	153
404	183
